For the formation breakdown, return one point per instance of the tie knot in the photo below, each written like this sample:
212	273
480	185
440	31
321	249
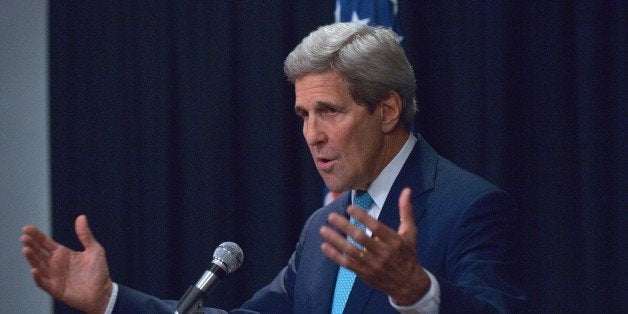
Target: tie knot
363	199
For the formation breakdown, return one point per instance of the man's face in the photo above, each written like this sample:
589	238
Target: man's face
345	140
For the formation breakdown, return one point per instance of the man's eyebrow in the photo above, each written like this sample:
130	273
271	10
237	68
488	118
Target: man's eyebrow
323	104
298	109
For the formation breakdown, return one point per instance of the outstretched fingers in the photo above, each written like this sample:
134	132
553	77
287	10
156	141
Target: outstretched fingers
40	252
382	234
336	247
37	247
35	258
39	239
407	227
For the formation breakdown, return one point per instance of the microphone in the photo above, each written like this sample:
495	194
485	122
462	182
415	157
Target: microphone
228	257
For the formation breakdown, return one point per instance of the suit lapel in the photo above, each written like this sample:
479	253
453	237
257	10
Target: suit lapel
418	173
321	290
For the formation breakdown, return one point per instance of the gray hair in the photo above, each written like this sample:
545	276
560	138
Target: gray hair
368	58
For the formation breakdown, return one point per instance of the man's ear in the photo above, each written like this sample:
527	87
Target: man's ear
390	109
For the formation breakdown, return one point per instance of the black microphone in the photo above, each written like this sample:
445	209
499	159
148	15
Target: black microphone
228	257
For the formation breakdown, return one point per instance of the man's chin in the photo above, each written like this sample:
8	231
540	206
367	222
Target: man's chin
335	186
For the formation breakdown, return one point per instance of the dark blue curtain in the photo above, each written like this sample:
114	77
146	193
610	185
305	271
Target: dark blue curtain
173	129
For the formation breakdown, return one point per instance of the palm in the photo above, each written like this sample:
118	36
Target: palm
77	275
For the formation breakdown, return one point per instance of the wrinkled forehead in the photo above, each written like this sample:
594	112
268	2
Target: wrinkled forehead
319	87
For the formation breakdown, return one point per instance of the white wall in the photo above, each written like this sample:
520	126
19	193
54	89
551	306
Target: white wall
24	153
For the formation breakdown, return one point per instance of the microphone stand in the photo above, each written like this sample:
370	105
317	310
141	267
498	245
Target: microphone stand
196	294
188	307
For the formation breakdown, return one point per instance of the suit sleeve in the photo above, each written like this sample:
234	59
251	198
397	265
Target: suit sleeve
133	301
480	258
271	299
276	297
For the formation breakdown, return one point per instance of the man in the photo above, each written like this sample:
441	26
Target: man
427	236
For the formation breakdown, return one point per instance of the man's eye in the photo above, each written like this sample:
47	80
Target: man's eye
302	114
330	111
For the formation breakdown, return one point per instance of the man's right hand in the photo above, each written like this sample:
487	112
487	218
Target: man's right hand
79	279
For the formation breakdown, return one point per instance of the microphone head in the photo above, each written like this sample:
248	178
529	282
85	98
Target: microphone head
231	256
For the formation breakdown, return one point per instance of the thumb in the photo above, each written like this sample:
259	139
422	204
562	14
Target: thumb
83	232
406	214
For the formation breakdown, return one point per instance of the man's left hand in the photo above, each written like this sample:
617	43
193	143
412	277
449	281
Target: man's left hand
389	261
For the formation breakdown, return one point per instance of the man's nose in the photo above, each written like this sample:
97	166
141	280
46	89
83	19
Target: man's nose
313	132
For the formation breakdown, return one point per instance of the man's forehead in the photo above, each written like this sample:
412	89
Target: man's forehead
320	88
327	78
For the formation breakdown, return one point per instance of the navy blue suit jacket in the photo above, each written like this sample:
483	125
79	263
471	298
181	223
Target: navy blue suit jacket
466	235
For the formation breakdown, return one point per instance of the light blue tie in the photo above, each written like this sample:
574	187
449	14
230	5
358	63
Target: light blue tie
346	277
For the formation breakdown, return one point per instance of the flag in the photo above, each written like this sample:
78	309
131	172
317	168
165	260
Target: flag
371	12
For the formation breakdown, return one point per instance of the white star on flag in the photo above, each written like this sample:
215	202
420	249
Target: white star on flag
355	18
